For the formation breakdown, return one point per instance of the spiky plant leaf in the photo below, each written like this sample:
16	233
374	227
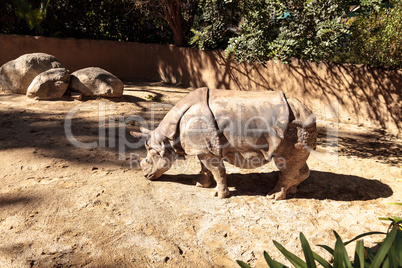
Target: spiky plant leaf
308	253
359	255
243	264
296	261
321	260
327	248
341	258
383	250
363	235
271	262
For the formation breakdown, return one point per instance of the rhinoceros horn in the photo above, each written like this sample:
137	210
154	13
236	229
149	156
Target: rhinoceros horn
144	133
144	130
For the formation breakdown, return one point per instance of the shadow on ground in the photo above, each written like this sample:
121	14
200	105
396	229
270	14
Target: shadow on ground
320	185
369	145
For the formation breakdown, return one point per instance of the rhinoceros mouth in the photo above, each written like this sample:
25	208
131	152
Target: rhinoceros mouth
152	174
149	176
149	173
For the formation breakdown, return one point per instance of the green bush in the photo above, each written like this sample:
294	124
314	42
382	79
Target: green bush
32	16
89	19
284	29
389	253
376	38
211	28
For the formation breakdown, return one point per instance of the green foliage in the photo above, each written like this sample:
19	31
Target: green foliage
313	30
376	37
90	19
154	98
284	29
389	253
253	31
32	16
210	30
106	19
259	30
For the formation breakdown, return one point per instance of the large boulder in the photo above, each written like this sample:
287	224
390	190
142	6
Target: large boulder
17	75
51	84
94	81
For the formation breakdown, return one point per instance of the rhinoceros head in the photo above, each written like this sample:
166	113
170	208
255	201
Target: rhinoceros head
159	157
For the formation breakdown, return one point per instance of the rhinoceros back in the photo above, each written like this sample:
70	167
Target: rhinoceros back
252	124
222	122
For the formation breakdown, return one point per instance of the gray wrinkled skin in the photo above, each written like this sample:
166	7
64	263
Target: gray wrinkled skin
245	129
158	160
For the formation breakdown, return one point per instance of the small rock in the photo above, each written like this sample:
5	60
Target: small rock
76	95
33	213
51	84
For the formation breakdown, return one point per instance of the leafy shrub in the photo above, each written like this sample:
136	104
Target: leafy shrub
90	19
389	253
211	29
32	16
284	29
376	38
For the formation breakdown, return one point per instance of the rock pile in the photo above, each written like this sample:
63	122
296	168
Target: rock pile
41	76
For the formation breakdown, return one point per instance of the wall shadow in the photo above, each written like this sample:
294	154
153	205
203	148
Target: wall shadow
320	185
364	91
366	95
370	145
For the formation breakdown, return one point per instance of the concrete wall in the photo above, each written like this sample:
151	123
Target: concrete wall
348	93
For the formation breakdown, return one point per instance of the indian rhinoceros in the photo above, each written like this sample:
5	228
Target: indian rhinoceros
246	129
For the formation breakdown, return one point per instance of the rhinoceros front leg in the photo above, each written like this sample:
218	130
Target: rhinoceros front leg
204	179
215	165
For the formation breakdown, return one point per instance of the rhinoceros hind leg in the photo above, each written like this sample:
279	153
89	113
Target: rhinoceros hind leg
285	181
288	181
204	179
292	190
215	165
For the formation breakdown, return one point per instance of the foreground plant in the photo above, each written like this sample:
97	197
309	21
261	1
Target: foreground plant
388	255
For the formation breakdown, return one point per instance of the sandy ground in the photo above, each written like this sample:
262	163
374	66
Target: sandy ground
62	205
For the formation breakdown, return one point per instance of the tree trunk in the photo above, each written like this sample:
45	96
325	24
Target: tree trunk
171	13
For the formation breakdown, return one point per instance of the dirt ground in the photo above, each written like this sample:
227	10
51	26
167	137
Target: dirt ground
63	205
